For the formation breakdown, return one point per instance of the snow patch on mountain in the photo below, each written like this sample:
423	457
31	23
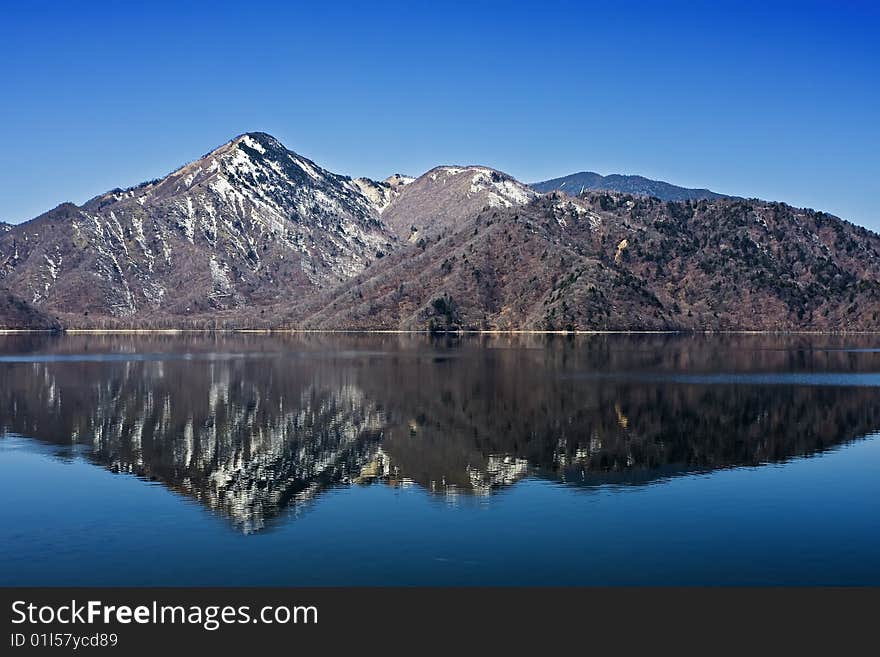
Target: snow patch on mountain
502	191
570	208
221	279
499	189
445	172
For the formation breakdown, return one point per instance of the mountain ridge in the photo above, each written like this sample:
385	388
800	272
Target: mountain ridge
254	235
577	183
618	262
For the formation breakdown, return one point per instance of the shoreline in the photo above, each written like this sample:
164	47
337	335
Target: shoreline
182	331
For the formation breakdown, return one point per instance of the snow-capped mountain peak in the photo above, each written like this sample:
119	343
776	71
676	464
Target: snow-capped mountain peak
249	220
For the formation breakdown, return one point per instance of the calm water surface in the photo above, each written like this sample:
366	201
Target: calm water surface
335	460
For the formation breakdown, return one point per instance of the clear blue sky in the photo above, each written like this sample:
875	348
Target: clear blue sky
775	100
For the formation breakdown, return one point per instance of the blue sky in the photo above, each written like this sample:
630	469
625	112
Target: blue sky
774	100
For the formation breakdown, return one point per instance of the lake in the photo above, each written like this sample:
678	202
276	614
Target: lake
397	459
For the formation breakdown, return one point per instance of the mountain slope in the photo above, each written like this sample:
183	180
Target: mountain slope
496	270
445	196
16	313
254	235
618	262
248	224
578	183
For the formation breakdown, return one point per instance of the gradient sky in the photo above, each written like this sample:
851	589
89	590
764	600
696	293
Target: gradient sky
773	100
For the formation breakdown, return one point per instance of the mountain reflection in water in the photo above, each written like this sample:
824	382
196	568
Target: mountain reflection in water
253	426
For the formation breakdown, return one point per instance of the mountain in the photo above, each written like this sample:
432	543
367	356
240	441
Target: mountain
247	224
578	183
608	261
447	195
253	235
